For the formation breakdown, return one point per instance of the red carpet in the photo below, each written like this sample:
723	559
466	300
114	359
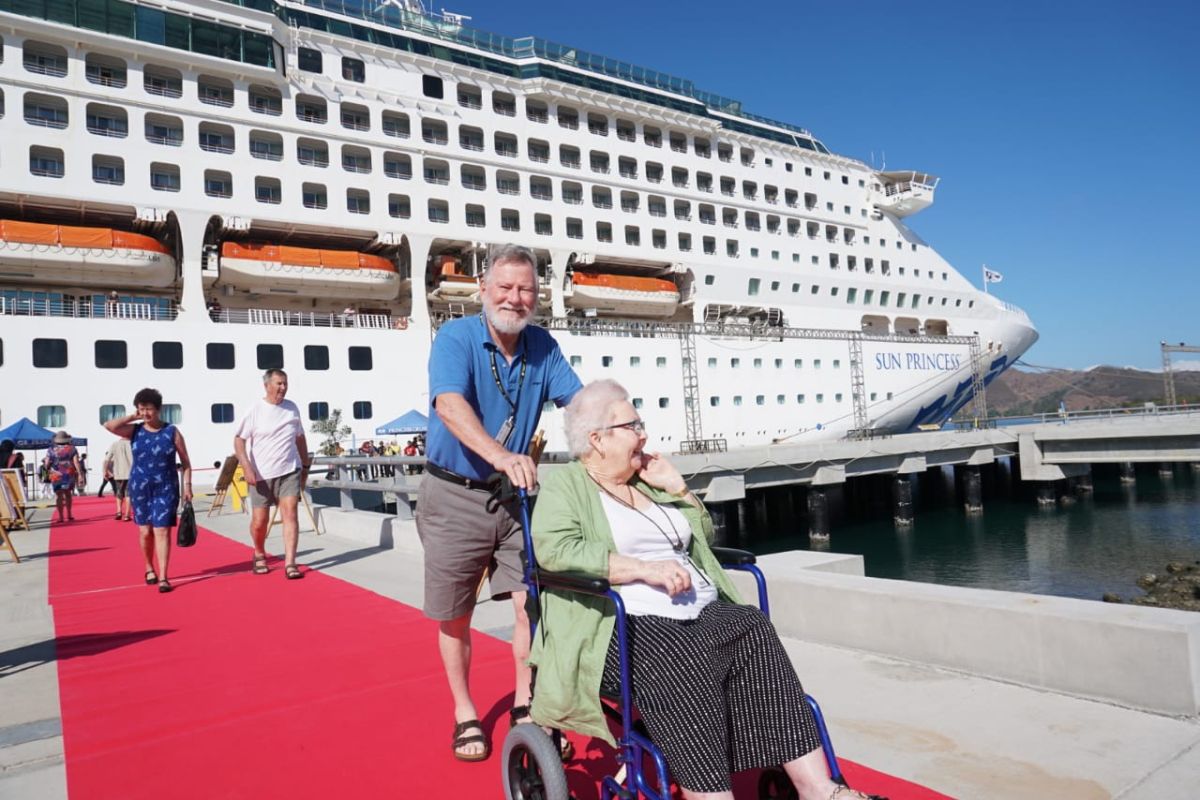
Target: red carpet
244	686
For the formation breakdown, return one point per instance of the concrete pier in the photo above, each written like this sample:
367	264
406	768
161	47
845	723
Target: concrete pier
972	488
818	514
902	501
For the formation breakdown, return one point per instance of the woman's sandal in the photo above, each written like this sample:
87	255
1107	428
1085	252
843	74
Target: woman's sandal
519	715
844	792
151	577
164	586
292	572
462	739
259	565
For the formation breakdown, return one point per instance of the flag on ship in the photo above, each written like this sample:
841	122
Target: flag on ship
991	276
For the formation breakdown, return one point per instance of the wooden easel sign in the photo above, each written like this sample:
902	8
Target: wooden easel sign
224	482
14	491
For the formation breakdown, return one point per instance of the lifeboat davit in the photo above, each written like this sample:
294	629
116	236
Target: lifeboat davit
306	270
623	295
78	256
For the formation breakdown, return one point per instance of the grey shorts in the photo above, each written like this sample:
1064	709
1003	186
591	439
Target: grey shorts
264	493
462	540
120	487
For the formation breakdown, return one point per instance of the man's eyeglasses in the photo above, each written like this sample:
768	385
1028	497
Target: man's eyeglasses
635	425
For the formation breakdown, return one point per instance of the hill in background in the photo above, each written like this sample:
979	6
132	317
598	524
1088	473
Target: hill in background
1016	392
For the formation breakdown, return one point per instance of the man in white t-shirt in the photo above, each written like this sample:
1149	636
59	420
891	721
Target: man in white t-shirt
275	466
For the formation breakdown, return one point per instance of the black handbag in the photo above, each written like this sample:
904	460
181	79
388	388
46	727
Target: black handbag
186	535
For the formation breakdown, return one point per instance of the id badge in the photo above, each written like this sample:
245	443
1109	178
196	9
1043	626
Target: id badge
505	431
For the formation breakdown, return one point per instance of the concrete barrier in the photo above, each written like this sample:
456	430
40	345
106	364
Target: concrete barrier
1139	657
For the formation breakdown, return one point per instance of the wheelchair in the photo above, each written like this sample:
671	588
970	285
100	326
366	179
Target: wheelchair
531	764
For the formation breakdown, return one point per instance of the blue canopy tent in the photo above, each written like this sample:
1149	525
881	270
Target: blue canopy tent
27	435
412	422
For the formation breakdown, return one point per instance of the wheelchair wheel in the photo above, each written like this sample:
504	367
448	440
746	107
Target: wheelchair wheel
774	784
532	767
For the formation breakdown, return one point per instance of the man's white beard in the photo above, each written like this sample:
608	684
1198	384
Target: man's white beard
507	326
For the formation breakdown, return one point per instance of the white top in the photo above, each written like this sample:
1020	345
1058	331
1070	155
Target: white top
120	453
637	536
270	432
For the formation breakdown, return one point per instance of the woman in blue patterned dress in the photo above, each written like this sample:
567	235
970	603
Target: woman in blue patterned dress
62	463
153	480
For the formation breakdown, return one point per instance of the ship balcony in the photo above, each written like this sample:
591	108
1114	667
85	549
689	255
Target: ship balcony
305	319
904	193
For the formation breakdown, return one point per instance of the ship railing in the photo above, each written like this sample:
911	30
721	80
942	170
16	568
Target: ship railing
85	308
306	319
1092	414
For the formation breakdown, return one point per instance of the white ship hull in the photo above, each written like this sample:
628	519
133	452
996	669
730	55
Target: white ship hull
761	228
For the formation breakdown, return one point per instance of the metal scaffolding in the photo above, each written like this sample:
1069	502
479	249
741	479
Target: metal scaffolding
1168	374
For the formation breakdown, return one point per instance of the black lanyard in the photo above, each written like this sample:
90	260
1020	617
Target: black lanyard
500	384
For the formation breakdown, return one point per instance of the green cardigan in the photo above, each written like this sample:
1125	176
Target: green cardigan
571	534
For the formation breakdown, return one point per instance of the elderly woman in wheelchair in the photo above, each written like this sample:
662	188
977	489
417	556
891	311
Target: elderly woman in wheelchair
709	677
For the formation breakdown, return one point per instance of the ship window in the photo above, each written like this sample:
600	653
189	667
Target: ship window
45	59
735	362
268	190
358	201
314	195
215	91
162	81
851	295
664	402
318	411
172	413
737	399
111	412
218	183
316	357
50	353
266	100
362	409
399	206
105	70
167	355
222	413
714	401
800	399
360	358
216	138
576	361
637	402
760	400
752	288
395	125
220	355
635	361
111	354
795	287
46	162
606	361
820	397
439	211
309	60
312	153
816	363
353	69
108	170
432	86
52	416
311	109
270	356
107	121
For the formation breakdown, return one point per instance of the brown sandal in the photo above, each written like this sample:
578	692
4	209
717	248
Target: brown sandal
461	739
259	565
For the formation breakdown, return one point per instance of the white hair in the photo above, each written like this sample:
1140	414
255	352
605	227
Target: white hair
588	411
502	253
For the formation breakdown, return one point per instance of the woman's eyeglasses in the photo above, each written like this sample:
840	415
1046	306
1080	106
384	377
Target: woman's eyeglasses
635	425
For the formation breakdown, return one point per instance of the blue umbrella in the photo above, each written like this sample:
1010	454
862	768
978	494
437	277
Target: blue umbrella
27	435
412	422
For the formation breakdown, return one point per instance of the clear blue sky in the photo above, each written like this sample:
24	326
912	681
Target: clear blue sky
1066	134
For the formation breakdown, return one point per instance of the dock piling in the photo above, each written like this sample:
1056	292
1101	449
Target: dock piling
902	501
1128	475
972	489
818	515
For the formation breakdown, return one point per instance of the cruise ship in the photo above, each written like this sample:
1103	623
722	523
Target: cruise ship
193	192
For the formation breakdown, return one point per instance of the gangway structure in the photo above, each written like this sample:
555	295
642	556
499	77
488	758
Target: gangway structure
1168	373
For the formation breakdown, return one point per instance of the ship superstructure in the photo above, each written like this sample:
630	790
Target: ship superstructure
193	192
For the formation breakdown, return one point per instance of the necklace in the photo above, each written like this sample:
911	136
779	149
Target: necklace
675	540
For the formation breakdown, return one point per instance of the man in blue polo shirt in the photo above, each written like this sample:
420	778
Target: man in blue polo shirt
489	376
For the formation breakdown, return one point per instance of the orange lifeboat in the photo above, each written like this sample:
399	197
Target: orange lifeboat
348	274
452	284
82	256
623	295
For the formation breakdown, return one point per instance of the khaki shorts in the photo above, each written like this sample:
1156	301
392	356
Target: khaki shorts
462	540
265	493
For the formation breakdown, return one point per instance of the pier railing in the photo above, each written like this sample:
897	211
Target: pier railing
1091	414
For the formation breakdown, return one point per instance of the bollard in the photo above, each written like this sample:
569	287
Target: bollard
1128	475
1047	494
818	515
902	502
972	490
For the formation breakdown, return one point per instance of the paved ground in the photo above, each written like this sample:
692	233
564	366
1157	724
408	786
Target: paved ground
962	735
